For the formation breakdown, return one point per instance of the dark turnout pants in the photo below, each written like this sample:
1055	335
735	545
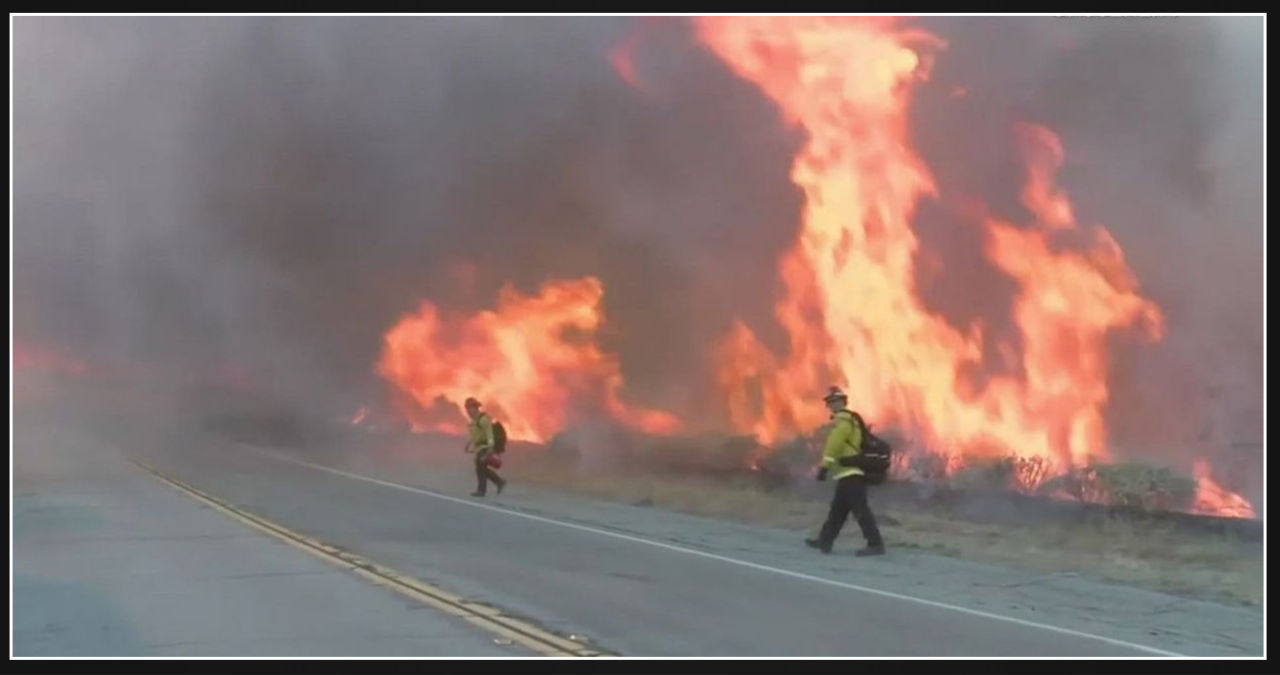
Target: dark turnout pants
484	474
850	497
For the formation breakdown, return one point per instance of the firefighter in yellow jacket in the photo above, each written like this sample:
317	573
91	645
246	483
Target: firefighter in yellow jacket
480	439
843	441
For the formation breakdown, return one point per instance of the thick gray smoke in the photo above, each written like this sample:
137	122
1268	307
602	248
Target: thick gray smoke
271	194
275	193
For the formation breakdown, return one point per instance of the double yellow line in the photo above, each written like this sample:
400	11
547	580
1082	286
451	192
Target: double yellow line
482	616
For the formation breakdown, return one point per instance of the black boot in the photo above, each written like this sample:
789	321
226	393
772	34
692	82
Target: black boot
815	543
871	549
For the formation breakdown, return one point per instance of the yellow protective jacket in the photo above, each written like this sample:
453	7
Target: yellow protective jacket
844	440
480	432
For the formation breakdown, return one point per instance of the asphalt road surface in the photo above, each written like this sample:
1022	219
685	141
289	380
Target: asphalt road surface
110	560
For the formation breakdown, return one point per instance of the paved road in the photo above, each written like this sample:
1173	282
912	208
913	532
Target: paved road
110	561
627	594
107	561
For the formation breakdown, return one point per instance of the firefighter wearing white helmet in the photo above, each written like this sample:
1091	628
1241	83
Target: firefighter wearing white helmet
844	441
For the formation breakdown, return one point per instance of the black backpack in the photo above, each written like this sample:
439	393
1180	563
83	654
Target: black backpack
876	455
499	438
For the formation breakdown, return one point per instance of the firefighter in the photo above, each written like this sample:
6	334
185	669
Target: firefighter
845	441
481	440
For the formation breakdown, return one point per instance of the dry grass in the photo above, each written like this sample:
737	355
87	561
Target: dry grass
1220	567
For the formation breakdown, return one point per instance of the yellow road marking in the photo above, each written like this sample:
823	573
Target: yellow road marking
483	616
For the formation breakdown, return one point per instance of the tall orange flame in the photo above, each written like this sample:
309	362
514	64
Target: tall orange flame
851	307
